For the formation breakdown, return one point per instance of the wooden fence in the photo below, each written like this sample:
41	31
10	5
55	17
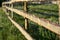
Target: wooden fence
40	21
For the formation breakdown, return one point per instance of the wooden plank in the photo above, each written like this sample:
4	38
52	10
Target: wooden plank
25	0
26	20
27	36
48	25
26	23
11	11
7	2
13	1
58	2
35	0
59	10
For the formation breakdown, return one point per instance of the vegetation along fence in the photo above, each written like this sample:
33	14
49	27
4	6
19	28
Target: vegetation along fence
8	6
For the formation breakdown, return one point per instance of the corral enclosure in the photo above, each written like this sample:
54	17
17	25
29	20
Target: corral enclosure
37	19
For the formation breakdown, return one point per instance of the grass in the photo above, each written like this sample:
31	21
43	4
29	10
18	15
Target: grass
47	11
36	31
7	30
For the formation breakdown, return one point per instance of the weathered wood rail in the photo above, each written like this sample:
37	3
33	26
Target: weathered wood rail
13	1
46	24
40	21
27	36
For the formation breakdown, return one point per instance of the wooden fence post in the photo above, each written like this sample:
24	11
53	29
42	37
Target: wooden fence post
5	9
8	10
26	20
59	14
58	2
11	5
11	11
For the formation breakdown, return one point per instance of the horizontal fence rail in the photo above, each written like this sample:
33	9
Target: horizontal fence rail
13	1
51	26
27	36
40	21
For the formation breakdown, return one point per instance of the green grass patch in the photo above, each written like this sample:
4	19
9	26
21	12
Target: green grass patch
7	30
